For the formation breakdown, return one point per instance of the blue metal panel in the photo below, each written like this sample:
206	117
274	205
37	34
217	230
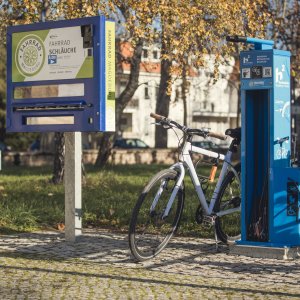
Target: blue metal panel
281	112
9	89
91	116
102	70
260	44
243	169
256	69
284	219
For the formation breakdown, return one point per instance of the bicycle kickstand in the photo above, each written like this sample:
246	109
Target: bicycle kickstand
216	240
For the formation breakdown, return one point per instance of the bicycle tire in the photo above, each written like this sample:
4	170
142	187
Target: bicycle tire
159	231
228	227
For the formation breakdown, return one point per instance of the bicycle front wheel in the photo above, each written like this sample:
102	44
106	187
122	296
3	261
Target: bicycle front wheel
228	226
149	231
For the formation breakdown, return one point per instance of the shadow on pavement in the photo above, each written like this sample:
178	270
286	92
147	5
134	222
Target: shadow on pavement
152	281
182	256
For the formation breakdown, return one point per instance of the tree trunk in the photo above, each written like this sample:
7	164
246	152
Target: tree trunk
184	89
105	148
59	158
107	139
45	10
163	100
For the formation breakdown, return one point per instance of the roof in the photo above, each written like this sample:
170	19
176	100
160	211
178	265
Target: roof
126	50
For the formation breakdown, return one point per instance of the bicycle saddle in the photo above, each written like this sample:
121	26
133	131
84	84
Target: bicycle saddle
234	133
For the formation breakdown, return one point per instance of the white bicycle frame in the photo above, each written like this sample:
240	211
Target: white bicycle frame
186	162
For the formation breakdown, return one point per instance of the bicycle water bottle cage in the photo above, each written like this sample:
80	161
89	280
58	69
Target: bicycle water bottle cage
259	44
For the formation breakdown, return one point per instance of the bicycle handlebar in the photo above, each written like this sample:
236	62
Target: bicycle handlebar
258	43
236	39
200	132
157	117
217	135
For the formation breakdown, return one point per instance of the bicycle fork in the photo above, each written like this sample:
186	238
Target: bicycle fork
175	190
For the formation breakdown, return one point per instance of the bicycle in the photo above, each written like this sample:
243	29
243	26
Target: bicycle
156	215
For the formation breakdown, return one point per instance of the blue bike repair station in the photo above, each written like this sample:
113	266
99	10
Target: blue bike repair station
270	185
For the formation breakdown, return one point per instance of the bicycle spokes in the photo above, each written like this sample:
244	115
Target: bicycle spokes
151	228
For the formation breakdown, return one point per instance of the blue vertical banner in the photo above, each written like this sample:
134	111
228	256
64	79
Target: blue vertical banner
282	109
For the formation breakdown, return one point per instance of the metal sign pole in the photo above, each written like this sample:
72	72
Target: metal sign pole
73	211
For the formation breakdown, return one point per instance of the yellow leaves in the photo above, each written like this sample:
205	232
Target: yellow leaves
60	226
189	28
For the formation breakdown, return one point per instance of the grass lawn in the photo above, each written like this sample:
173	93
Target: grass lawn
28	201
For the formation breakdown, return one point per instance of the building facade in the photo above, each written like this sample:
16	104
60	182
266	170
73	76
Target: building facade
210	104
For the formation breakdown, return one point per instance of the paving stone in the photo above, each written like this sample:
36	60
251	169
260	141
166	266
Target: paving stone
42	265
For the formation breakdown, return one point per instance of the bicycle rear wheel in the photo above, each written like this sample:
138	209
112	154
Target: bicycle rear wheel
228	227
149	233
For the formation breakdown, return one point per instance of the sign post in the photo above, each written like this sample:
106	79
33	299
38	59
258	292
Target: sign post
61	78
73	212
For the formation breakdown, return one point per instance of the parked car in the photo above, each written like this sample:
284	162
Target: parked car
208	145
35	146
130	144
223	145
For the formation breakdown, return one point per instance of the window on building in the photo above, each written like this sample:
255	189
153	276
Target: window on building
156	92
155	54
147	91
178	93
126	122
145	53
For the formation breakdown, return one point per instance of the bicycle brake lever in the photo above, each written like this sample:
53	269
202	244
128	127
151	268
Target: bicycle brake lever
156	123
167	126
163	125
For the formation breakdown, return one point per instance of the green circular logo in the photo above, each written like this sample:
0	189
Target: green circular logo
30	55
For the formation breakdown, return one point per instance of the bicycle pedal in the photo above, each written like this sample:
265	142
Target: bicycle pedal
209	220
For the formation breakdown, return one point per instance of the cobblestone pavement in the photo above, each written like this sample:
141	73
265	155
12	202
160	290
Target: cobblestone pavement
43	266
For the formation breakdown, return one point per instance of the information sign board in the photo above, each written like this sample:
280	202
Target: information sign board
61	76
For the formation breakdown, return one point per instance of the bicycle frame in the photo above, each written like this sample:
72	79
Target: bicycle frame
186	162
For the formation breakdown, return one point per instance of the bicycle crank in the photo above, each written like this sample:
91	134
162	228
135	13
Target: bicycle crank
199	215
